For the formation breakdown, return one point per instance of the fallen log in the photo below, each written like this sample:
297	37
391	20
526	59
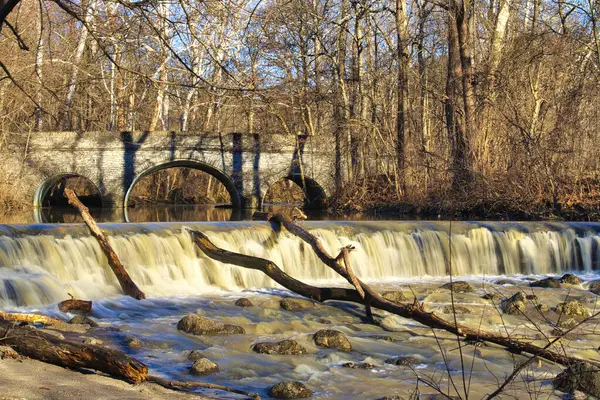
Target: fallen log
179	385
30	318
128	286
31	342
414	311
73	304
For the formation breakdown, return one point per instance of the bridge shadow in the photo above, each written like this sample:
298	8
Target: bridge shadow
131	148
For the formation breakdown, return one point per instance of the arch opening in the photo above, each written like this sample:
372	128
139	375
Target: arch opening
182	183
295	191
51	193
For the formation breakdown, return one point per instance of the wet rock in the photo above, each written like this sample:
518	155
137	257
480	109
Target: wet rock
542	307
579	377
353	327
395	397
573	308
594	287
290	390
203	366
459	287
571	279
332	339
195	355
567	323
8	353
403	360
295	305
83	320
324	321
531	297
515	305
56	334
364	365
494	297
133	343
243	302
68	327
546	283
198	325
457	309
286	347
506	282
395	296
386	338
93	341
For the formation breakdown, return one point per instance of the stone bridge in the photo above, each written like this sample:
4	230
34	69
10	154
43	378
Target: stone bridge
247	164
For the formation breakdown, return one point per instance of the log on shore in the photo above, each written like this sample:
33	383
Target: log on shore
30	318
127	284
33	343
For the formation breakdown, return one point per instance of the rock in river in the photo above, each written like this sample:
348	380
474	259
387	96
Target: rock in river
571	279
203	366
286	347
457	309
243	302
198	325
295	304
290	390
573	308
83	320
459	287
580	376
395	297
332	339
515	305
546	283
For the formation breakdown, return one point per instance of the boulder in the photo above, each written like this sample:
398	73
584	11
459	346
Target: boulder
195	355
198	325
332	339
573	308
133	343
570	279
459	287
579	377
364	365
290	390
532	297
286	347
494	297
324	321
403	360
243	302
295	305
515	305
594	287
457	309
70	328
203	366
83	320
93	341
394	296
542	307
546	283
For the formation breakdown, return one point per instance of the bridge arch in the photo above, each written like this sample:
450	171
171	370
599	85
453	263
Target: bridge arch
43	187
315	195
236	197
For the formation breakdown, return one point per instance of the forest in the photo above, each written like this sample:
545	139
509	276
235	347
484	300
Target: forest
453	103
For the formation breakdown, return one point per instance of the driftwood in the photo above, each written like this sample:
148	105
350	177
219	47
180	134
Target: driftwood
179	385
45	347
414	311
73	304
30	318
128	286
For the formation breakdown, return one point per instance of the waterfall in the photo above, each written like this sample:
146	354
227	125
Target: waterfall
40	264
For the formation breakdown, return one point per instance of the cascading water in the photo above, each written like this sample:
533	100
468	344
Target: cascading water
40	264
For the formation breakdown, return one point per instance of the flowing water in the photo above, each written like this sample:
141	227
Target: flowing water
40	264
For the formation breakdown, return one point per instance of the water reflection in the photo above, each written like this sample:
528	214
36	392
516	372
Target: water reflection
176	213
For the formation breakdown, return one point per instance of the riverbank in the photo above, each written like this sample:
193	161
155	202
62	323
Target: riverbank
31	380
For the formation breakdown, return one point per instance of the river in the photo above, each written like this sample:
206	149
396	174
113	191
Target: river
41	263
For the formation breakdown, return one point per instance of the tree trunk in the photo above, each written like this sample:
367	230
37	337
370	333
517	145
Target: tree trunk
402	86
45	347
128	286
